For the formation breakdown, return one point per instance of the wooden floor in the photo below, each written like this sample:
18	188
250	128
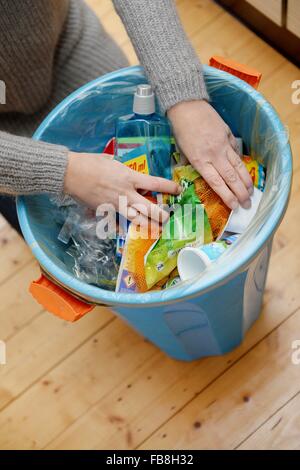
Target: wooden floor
97	384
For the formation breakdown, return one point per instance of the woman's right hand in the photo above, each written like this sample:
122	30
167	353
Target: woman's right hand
96	179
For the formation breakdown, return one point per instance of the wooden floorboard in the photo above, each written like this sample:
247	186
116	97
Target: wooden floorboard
240	400
97	384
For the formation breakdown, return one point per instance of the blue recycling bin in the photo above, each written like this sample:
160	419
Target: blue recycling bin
210	315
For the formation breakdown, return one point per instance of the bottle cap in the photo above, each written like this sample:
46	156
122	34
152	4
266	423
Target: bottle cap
144	100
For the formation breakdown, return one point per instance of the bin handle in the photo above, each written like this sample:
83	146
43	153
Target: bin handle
248	74
57	301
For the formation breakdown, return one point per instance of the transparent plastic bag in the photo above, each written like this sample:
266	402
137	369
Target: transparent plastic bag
93	260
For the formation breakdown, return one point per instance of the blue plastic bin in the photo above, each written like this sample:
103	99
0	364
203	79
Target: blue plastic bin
210	315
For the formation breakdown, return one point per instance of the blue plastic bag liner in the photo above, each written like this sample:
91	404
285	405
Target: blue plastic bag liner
84	122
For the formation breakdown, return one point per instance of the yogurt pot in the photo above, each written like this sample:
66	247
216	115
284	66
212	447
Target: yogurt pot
192	261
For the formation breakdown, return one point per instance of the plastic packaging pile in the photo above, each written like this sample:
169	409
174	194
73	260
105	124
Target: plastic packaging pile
91	259
199	230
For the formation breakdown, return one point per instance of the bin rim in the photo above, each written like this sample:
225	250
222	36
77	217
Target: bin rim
179	292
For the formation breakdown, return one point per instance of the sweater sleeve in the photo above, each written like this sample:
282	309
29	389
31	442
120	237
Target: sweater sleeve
170	62
30	167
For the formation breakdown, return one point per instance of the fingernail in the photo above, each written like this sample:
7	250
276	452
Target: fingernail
247	204
234	205
250	190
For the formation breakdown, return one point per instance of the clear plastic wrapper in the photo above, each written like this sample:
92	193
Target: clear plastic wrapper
93	260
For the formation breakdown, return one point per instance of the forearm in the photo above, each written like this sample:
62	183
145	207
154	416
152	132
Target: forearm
163	49
31	167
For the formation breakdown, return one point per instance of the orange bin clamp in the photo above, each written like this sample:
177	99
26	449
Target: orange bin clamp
242	71
57	301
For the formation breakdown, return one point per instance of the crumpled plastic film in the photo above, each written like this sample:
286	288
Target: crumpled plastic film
92	259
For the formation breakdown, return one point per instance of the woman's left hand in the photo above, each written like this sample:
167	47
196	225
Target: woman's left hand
207	142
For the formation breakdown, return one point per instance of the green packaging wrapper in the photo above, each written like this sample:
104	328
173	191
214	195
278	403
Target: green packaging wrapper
187	224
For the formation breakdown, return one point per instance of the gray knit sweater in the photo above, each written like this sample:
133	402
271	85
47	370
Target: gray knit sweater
48	48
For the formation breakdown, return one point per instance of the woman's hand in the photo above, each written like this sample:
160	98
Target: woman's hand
209	145
96	179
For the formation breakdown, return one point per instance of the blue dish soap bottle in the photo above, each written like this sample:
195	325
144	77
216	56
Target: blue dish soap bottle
145	128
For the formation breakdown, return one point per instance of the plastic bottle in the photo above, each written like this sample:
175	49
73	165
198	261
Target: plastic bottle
145	128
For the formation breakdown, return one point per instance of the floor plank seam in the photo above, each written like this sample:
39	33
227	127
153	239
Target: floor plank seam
25	325
94	405
217	378
205	25
268	419
21	268
25	390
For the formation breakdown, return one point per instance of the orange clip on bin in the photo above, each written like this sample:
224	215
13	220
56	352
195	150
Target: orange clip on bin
58	301
63	304
241	71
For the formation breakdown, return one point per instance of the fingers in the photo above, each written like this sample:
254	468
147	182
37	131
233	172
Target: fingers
148	209
212	177
143	224
127	212
140	216
241	169
132	213
237	163
156	184
233	180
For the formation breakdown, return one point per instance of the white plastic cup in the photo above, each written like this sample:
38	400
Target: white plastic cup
192	261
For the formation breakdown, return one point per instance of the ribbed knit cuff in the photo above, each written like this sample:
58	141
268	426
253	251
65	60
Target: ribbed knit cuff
188	86
30	167
170	62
